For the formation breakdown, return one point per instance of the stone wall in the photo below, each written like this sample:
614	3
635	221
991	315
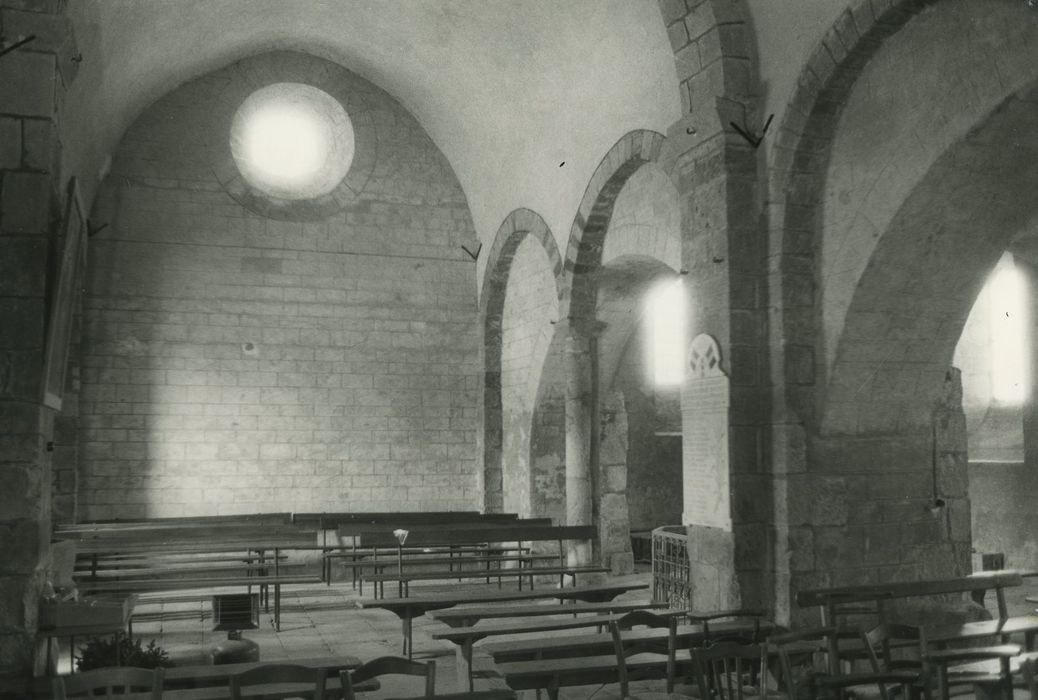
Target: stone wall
235	362
33	80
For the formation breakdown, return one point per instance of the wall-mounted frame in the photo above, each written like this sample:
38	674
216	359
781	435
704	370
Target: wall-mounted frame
64	294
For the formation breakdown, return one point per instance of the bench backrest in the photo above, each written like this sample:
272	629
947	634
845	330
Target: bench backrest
830	598
477	535
255	540
190	533
187	521
332	520
366	529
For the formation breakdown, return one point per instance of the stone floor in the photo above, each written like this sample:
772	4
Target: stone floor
324	621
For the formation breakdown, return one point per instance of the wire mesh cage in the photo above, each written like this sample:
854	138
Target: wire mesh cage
235	611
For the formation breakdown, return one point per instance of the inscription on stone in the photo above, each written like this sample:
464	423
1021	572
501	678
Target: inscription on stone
704	418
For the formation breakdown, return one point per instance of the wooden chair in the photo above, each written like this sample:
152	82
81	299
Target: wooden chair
388	665
897	659
278	673
801	658
113	681
712	636
730	671
947	677
625	649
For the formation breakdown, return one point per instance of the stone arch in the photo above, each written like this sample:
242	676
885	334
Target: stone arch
799	155
713	51
587	234
863	334
517	226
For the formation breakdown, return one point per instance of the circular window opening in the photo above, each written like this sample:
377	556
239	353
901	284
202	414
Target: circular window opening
292	141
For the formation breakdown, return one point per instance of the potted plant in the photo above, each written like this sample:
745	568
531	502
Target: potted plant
119	650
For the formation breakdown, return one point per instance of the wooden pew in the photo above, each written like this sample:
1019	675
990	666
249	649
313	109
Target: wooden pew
503	534
588	659
532	620
833	601
483	557
468	616
409	608
135	586
592	644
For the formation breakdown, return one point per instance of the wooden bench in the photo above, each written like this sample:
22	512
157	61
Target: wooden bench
577	646
835	602
357	558
332	521
134	586
519	534
466	636
409	608
469	615
455	562
588	659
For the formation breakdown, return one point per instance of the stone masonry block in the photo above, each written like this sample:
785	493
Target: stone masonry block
40	145
10	143
50	29
672	10
678	36
27	84
24	203
22	322
23	266
20	542
700	20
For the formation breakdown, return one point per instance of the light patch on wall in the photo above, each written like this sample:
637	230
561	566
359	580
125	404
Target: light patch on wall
292	141
666	318
1009	341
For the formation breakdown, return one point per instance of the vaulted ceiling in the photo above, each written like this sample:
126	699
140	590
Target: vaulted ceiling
524	97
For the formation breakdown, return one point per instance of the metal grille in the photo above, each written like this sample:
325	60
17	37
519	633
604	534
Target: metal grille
670	567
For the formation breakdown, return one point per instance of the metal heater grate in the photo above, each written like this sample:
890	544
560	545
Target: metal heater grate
235	611
671	573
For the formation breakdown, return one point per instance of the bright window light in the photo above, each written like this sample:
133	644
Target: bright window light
292	141
1009	338
666	315
286	141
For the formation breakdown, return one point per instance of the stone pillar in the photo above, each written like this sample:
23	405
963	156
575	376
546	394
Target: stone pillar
1027	267
581	347
30	84
951	476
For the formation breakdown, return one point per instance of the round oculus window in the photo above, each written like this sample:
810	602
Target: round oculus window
292	141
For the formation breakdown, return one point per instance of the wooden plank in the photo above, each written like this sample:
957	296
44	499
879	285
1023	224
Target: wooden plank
477	535
465	616
189	583
191	533
591	644
367	530
485	573
194	520
196	676
904	589
200	546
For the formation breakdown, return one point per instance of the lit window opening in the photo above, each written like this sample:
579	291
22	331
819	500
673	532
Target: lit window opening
667	333
292	141
1010	375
